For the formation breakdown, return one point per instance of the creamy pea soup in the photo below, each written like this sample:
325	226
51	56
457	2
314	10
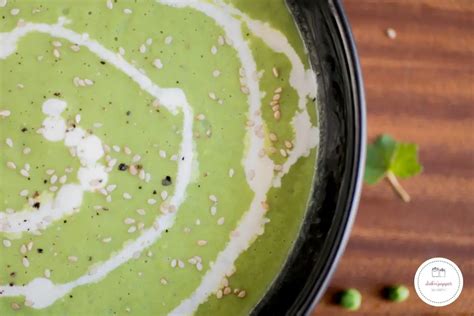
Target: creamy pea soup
156	156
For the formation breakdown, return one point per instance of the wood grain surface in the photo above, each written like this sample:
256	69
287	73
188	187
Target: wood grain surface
420	88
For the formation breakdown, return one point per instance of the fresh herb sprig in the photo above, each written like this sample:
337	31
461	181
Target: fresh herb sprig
389	159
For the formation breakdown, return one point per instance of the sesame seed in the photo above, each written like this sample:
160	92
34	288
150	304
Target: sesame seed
283	153
174	262
26	150
149	41
162	154
141	174
213	50
78	118
11	165
9	142
164	195
201	243
88	82
56	53
158	64
110	4
278	90
121	51
213	198
29	246
277	115
391	33
57	44
53	179
219	294
275	72
7	243
180	264
129	221
276	97
132	229
24	193
141	212
5	113
72	258
227	290
107	240
50	172
231	172
23	249
25	262
212	95
213	210
244	89
265	205
278	167
220	221
75	48
133	170
151	201
200	117
221	40
273	137
127	196
168	40
14	11
127	11
242	294
216	73
142	48
288	144
163	281
47	273
199	266
136	158
24	173
111	187
63	179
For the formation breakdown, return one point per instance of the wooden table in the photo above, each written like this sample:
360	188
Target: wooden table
420	89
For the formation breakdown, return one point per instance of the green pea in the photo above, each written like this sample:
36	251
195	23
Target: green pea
397	293
350	299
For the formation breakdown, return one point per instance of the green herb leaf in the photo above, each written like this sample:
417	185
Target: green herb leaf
386	158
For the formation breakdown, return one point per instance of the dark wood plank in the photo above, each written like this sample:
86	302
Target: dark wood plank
419	88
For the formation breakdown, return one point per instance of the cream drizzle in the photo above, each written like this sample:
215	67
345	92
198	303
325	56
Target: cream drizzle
41	292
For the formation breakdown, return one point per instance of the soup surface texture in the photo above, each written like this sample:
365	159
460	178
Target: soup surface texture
156	157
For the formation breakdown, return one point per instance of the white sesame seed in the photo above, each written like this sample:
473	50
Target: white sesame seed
50	172
180	264
174	262
201	242
7	243
47	273
26	150
132	229
200	117
149	41
168	40
127	11
147	177
29	246
199	266
158	64
212	95
116	148
3	3
136	158
27	167
53	179
278	167
9	142
162	154
14	11
216	73
151	201
142	174
53	188
78	118
63	179
25	262
231	172
213	210
163	281
110	4
213	198
111	187
88	82
129	221
221	40
57	44
56	53
275	72
108	198
142	48
141	225
391	33
141	212
283	153
24	173
220	221
164	195
5	113
11	165
24	193
121	51
72	258
213	50
127	196
219	294
107	240
127	150
75	48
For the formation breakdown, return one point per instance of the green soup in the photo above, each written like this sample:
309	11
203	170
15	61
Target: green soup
156	156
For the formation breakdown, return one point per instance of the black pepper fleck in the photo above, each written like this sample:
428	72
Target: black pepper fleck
122	167
166	181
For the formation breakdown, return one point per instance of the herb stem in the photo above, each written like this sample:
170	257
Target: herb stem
392	179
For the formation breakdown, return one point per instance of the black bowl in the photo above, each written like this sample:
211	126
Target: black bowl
340	164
